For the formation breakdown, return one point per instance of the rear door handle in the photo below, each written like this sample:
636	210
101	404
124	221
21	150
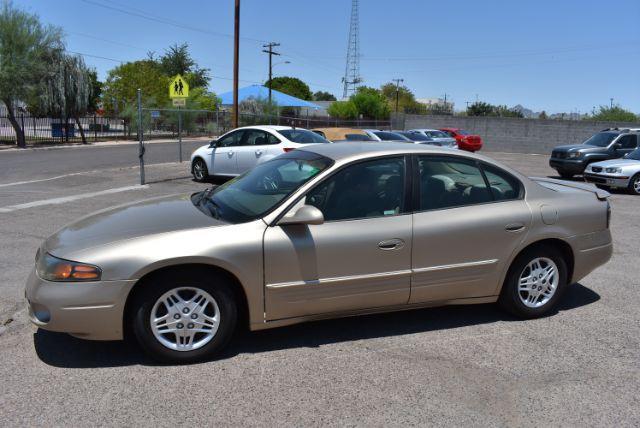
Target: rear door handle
258	152
391	244
514	227
230	153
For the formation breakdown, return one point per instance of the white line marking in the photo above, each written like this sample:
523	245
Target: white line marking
17	183
65	199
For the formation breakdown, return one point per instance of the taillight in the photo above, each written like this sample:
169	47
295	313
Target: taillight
288	149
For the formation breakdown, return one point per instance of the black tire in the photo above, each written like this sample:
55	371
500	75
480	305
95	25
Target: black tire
510	299
634	185
216	286
199	170
566	175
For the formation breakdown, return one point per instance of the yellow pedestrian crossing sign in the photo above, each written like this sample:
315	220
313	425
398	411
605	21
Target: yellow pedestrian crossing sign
178	88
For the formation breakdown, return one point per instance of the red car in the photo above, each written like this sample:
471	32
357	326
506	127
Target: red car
466	141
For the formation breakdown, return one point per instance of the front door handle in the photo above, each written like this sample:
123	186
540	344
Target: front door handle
391	244
514	227
258	152
230	153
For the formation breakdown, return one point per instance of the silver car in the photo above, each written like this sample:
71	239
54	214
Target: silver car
325	231
623	173
439	137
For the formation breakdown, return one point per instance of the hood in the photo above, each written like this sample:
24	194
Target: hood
620	163
152	216
584	148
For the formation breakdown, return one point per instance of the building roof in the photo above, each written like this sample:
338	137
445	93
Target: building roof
262	93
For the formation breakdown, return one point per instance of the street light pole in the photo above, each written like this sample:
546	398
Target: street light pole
398	81
236	55
271	53
611	102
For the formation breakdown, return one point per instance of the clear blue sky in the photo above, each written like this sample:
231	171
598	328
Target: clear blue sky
557	55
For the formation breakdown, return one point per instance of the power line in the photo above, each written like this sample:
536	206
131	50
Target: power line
162	20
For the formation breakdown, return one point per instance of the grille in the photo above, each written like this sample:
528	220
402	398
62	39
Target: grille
559	155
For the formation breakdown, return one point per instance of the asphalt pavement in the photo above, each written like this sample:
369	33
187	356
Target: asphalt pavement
466	365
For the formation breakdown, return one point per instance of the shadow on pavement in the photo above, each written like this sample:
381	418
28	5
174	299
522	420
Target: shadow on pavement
62	350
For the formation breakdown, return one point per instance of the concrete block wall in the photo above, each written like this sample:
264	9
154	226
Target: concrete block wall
513	135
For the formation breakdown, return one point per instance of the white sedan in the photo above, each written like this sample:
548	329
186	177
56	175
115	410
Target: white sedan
240	150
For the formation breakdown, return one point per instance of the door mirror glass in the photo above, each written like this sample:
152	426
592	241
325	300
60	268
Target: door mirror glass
306	214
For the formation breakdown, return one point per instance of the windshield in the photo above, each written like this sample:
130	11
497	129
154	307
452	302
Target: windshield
601	139
463	132
415	136
437	134
302	136
635	155
389	136
259	190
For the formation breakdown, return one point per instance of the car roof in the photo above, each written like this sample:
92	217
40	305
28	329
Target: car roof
354	150
266	127
424	129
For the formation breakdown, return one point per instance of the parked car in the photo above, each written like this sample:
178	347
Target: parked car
439	137
621	173
465	140
337	135
243	148
612	143
324	231
417	138
388	136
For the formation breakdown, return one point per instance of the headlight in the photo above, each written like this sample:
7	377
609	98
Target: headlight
614	170
573	155
52	268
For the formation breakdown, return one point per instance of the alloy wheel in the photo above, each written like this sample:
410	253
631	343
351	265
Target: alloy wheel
538	282
185	318
636	185
198	170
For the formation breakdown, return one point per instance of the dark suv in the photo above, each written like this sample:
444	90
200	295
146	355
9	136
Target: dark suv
610	143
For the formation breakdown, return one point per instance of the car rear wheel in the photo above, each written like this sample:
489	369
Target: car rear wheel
634	184
535	282
199	170
182	319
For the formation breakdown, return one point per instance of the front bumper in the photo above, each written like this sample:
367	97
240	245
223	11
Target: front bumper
571	166
607	180
89	310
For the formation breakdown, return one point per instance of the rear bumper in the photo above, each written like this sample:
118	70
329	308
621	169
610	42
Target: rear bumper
567	165
607	180
89	310
590	251
469	147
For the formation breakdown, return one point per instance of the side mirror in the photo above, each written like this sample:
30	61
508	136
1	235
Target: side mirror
213	144
306	214
617	146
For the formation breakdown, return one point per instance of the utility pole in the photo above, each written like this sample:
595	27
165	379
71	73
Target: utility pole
611	102
271	53
398	81
236	55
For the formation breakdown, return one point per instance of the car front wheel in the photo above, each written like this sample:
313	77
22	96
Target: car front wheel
634	184
535	282
182	319
199	170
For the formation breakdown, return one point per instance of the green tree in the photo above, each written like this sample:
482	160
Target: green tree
614	114
26	47
123	82
480	108
406	100
67	92
371	103
323	96
504	111
96	91
178	60
543	115
346	110
291	86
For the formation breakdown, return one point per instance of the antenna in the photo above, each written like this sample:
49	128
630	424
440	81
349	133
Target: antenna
352	70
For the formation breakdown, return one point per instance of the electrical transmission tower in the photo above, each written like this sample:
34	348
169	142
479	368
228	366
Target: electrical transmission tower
352	70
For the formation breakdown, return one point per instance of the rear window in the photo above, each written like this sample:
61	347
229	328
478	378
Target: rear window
463	132
302	136
389	136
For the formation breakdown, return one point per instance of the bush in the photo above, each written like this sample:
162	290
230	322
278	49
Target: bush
343	110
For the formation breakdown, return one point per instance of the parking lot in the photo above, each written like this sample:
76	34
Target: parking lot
466	365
